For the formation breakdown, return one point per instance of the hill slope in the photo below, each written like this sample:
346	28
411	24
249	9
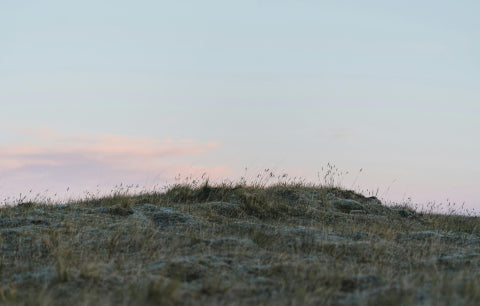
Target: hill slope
287	244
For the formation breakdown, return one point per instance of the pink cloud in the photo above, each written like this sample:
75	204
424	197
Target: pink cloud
59	161
119	151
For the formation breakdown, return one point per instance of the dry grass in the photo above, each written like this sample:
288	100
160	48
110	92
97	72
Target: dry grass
287	243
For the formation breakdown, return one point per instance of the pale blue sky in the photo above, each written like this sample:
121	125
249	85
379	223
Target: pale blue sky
390	87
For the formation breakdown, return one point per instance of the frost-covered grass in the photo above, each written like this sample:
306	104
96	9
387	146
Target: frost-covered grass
289	243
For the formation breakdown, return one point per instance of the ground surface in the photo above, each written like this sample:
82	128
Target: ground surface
281	245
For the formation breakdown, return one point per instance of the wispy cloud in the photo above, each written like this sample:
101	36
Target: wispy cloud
121	152
52	158
336	133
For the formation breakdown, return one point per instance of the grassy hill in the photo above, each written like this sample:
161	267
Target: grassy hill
286	244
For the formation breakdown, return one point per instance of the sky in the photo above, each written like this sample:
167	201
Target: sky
98	93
